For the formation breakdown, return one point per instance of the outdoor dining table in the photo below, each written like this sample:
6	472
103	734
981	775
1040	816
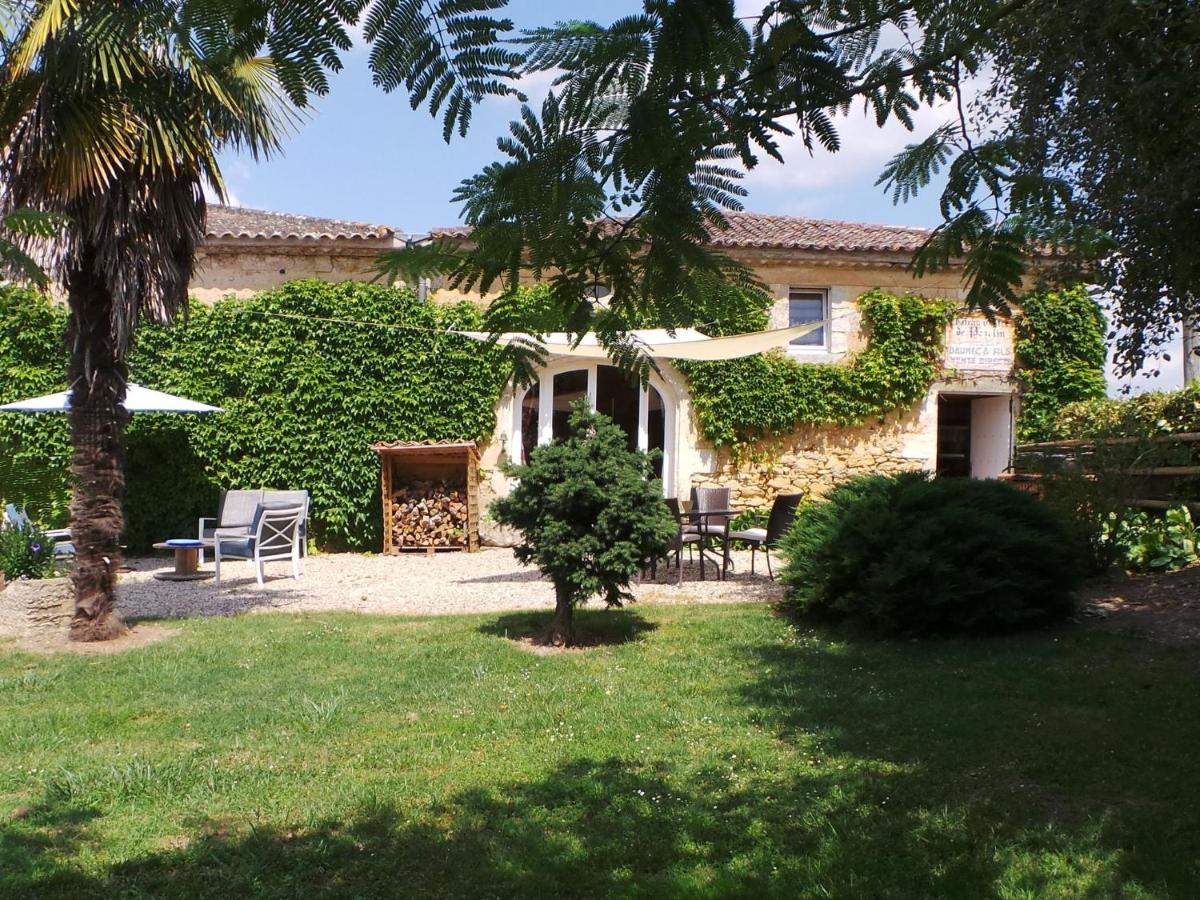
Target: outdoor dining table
703	515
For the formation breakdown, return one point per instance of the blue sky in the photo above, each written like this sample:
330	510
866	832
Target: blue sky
366	155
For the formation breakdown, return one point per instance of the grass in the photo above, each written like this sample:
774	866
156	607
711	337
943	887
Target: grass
717	751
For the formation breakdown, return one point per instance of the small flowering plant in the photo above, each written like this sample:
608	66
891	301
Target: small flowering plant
26	553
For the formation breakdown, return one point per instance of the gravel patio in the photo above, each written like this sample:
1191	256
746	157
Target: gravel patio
444	584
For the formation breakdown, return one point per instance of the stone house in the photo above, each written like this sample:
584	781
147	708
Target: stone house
250	250
816	269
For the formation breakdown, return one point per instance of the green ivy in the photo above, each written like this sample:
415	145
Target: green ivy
304	399
1060	356
35	450
740	401
305	396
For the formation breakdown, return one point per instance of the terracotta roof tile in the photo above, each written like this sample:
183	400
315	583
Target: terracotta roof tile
795	233
240	222
791	232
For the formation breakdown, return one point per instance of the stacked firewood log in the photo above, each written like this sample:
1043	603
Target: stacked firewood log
429	514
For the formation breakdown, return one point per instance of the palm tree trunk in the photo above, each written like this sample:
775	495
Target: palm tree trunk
97	374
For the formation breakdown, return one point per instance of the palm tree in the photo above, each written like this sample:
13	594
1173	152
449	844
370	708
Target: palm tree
112	116
111	119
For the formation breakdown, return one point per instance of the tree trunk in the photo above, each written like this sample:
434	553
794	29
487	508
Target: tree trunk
1191	363
97	374
561	631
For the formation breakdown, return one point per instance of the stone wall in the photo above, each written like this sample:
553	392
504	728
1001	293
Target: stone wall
37	606
243	268
813	460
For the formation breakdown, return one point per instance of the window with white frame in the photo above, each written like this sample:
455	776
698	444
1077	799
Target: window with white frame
807	305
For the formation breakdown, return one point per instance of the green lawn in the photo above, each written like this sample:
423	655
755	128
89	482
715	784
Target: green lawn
719	751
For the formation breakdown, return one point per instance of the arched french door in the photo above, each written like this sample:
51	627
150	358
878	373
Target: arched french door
646	415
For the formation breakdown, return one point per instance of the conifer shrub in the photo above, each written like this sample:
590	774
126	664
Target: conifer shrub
911	555
590	513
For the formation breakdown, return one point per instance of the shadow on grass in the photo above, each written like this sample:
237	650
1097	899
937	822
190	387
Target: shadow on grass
593	828
593	627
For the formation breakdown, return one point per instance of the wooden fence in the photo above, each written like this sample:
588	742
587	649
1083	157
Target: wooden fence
1162	470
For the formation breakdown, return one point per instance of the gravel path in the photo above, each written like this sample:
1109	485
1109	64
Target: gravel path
446	583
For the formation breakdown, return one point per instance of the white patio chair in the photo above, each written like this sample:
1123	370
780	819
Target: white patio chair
274	535
235	514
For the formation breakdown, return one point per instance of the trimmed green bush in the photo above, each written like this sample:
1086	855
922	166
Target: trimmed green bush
1143	415
590	513
909	555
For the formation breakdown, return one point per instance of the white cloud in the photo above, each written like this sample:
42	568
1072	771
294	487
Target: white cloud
231	197
865	148
535	86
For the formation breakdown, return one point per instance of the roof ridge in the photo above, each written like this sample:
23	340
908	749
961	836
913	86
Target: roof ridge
774	230
248	221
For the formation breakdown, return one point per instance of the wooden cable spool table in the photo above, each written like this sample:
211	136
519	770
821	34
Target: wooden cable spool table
187	561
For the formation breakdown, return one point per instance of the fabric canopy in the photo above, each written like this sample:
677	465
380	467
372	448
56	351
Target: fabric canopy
685	343
137	399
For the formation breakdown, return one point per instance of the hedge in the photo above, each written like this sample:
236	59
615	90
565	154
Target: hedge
304	398
1151	413
910	554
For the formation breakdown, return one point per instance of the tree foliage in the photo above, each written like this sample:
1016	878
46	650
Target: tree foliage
112	118
1081	141
632	162
590	512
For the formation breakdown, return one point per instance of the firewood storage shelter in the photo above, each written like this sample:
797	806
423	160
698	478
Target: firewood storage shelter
430	495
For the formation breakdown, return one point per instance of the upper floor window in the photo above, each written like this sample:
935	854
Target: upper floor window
808	305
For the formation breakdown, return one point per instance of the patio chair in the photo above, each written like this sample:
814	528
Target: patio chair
60	537
236	511
683	538
783	511
710	527
273	535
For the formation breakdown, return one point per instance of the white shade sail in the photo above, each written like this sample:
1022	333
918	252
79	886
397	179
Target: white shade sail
685	343
137	399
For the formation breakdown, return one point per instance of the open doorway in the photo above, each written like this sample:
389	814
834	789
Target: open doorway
974	435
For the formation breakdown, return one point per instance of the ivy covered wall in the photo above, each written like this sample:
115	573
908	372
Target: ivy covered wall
1060	357
741	401
307	391
304	399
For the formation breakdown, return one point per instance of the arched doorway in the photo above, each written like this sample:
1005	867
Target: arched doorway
646	415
